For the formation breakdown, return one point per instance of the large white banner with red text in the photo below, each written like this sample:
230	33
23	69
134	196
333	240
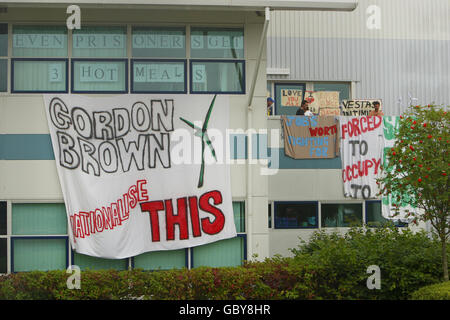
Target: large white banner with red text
361	154
142	173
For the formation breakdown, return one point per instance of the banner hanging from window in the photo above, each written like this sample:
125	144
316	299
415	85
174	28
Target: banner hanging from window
361	154
311	137
390	129
142	173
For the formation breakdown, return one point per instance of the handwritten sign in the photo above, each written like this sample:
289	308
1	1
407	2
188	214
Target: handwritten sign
359	107
291	97
361	154
310	137
324	103
123	191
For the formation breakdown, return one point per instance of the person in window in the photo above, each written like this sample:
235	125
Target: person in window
302	109
270	106
377	111
308	112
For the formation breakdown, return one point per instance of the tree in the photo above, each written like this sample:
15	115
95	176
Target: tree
418	169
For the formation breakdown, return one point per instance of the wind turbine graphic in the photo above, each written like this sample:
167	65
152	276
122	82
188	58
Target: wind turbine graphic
203	134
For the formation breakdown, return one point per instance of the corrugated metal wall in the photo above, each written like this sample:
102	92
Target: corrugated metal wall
407	57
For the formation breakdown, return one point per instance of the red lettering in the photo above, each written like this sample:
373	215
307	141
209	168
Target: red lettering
142	193
217	225
179	219
153	207
132	193
195	221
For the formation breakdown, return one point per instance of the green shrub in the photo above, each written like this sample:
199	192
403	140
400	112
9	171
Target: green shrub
439	291
329	266
407	261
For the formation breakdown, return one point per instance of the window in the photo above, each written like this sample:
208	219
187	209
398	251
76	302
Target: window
224	253
3	53
3	217
39	238
39	41
3	39
374	216
153	42
217	43
341	215
3	75
99	42
343	88
99	76
161	260
3	240
217	76
288	97
3	255
86	262
296	215
38	75
163	76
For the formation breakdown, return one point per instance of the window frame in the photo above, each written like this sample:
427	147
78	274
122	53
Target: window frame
72	75
244	88
132	61
13	90
275	212
363	213
46	237
397	223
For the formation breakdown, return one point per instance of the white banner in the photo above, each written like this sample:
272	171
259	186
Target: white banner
390	128
142	173
361	154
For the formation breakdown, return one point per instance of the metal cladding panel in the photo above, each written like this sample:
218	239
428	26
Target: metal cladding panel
405	61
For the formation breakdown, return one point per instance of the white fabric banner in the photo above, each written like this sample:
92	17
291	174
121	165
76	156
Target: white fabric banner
142	173
361	154
390	128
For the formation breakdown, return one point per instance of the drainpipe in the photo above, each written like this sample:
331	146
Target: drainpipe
262	42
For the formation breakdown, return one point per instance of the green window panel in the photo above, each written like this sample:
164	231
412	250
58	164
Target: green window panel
157	42
296	215
3	39
3	255
39	219
217	77
39	41
34	254
217	43
39	75
161	260
223	253
341	215
86	262
374	216
99	42
343	88
158	76
239	216
99	76
3	75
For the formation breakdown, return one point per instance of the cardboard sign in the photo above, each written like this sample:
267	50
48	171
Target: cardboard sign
361	155
359	107
125	189
291	97
311	137
324	103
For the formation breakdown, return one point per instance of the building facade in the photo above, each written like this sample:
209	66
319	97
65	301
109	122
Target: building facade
276	200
